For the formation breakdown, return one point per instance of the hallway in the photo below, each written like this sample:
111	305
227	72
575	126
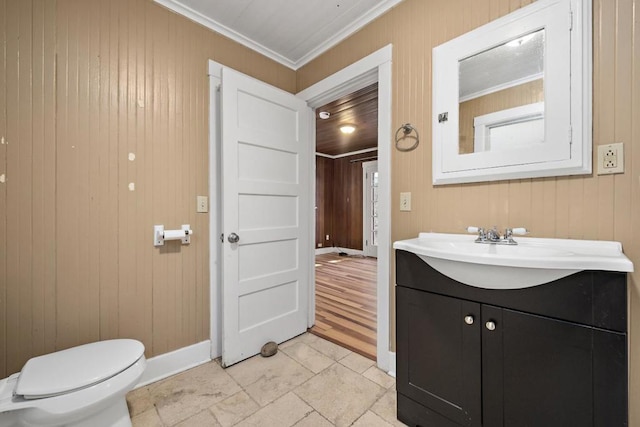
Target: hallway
346	302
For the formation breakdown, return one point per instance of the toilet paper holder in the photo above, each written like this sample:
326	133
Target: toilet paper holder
160	234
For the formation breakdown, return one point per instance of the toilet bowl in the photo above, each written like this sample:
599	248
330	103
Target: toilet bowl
83	386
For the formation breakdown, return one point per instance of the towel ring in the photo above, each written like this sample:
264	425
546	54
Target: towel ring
406	133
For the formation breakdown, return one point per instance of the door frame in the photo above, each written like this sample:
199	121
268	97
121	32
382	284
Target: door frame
375	67
368	70
215	210
368	168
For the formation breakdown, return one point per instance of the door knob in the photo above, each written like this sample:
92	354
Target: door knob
468	319
490	325
233	238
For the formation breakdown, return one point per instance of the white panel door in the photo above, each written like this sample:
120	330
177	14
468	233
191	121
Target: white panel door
265	204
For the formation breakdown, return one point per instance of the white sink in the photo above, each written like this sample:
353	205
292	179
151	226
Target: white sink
532	262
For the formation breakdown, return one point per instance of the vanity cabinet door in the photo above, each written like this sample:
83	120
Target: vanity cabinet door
438	353
537	371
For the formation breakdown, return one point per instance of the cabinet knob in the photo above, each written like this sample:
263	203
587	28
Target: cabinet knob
468	319
490	325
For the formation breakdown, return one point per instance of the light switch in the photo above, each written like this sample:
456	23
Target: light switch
405	202
203	204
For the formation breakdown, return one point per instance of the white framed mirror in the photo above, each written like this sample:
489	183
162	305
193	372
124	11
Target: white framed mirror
512	99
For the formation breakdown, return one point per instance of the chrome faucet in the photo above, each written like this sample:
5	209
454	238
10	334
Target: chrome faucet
492	236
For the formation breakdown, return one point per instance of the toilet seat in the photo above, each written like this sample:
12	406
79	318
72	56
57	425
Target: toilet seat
76	368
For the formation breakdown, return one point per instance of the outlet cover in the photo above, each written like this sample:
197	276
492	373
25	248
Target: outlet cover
203	204
405	202
610	158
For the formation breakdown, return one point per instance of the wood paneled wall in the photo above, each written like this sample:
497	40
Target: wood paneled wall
339	201
582	207
324	202
104	127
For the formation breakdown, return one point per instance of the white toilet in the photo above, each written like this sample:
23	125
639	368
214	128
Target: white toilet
81	386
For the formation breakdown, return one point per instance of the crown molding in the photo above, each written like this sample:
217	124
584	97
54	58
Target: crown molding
179	8
198	17
352	153
378	10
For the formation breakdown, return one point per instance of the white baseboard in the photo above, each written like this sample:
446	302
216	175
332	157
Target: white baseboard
392	364
333	249
327	250
167	364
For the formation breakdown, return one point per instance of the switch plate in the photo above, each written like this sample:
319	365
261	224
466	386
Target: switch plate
610	158
203	204
405	202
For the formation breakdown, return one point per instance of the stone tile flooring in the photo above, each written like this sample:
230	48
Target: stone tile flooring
310	382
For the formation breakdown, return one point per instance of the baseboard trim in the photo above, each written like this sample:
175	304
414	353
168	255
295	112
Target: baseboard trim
327	250
174	362
392	364
333	249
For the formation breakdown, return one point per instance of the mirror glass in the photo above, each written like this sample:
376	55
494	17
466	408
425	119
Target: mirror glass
501	96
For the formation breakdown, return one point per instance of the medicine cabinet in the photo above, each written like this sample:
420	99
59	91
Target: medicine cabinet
512	99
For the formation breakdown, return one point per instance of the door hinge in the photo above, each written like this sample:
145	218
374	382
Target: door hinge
570	20
570	135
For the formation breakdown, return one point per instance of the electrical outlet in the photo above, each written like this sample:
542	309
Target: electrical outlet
405	202
203	204
611	158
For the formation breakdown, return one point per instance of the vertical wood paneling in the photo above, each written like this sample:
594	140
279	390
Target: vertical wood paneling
604	98
339	203
82	85
324	202
129	323
24	175
3	186
12	167
623	119
584	207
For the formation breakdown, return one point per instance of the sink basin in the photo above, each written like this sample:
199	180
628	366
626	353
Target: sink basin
534	261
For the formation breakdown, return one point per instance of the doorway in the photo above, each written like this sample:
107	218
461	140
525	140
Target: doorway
346	150
376	67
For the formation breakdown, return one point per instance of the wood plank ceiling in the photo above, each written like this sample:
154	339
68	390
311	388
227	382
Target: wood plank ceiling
359	109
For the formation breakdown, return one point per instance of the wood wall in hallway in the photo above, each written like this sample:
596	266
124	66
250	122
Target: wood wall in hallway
339	201
85	86
581	207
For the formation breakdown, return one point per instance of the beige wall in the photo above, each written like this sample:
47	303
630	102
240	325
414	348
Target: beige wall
590	207
83	84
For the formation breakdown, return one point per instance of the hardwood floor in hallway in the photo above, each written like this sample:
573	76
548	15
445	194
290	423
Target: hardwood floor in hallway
346	302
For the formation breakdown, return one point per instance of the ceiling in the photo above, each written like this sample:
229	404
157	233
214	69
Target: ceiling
359	109
291	32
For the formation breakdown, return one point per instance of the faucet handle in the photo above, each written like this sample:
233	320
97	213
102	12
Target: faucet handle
520	231
481	233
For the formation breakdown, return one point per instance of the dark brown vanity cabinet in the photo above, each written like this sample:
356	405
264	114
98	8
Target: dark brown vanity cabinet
550	355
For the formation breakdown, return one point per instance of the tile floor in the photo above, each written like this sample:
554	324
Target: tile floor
310	382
